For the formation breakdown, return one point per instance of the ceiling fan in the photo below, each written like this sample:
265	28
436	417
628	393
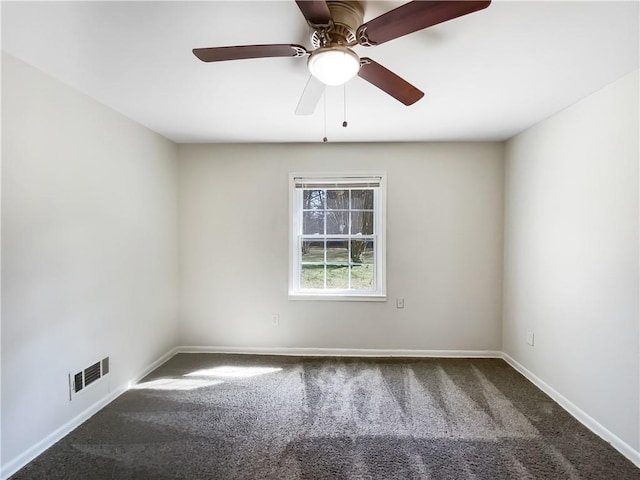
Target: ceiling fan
337	27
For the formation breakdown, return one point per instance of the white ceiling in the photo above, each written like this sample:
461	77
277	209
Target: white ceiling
486	76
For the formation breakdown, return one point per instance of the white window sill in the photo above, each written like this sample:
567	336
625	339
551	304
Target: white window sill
339	297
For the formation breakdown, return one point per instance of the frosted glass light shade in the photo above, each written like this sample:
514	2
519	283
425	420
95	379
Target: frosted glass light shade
334	65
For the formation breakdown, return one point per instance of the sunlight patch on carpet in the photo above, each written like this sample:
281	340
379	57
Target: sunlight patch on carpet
229	371
175	384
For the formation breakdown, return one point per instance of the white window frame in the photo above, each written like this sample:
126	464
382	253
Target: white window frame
295	232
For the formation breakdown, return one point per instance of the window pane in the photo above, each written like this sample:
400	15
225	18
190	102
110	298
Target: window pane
368	256
313	199
362	199
313	222
362	251
362	277
363	271
362	223
338	199
337	277
338	252
337	222
312	276
312	252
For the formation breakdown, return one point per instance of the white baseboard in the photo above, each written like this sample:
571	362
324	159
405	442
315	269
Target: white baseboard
15	464
341	352
579	414
150	368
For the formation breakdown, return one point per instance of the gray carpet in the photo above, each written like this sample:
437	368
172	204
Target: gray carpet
205	416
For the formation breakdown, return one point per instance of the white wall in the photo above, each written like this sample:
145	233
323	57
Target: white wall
89	251
571	255
444	237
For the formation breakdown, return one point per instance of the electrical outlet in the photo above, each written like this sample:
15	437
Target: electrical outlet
530	338
275	319
399	302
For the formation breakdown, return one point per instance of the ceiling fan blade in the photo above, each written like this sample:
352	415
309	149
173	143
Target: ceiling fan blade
310	96
414	16
315	11
389	82
219	54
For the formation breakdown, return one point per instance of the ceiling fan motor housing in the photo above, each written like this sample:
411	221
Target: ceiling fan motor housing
347	17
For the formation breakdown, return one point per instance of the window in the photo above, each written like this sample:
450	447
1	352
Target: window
337	237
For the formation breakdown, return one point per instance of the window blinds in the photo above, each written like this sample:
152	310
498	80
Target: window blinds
322	183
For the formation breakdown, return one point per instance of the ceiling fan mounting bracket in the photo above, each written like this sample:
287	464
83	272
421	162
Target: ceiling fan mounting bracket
362	38
299	51
346	16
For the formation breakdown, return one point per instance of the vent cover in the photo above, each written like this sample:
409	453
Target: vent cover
105	366
91	374
78	384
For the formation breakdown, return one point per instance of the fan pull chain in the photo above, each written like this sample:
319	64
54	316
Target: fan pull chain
344	102
324	95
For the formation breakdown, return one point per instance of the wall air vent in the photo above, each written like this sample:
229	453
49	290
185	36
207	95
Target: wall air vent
87	376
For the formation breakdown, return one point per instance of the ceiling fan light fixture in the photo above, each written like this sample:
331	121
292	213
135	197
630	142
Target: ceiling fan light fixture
334	65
